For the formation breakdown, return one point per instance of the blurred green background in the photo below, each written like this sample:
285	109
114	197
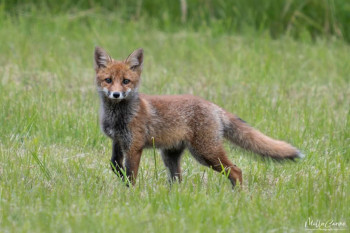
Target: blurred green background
298	18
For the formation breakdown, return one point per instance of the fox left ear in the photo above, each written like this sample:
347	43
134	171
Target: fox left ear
101	58
135	60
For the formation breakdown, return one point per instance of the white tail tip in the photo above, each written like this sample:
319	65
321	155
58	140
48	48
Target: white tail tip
301	155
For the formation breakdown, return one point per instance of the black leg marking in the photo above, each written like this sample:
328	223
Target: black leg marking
117	159
172	159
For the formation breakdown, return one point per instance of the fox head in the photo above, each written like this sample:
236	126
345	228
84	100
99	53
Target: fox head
118	80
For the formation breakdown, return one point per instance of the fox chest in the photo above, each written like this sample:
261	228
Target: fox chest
117	129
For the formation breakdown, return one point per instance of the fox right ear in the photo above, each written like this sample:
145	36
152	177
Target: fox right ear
135	60
101	58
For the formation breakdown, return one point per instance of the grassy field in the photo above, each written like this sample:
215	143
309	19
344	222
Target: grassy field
54	161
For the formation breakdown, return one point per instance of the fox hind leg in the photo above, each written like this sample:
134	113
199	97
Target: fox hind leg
215	157
172	159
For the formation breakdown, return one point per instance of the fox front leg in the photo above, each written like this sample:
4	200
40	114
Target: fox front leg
132	162
117	159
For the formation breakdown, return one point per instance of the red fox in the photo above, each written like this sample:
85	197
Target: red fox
133	120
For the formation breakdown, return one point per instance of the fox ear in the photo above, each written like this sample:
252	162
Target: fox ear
101	58
135	60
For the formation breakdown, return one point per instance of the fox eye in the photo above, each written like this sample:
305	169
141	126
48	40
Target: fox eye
108	80
126	81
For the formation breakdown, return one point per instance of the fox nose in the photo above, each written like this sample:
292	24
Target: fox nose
116	95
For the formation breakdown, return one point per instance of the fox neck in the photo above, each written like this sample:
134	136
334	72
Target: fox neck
122	111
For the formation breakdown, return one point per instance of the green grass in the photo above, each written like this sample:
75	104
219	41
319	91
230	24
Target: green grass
54	161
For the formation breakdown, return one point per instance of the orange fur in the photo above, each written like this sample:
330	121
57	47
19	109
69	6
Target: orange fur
175	123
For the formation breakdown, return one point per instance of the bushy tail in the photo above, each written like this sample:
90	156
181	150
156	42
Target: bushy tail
243	135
